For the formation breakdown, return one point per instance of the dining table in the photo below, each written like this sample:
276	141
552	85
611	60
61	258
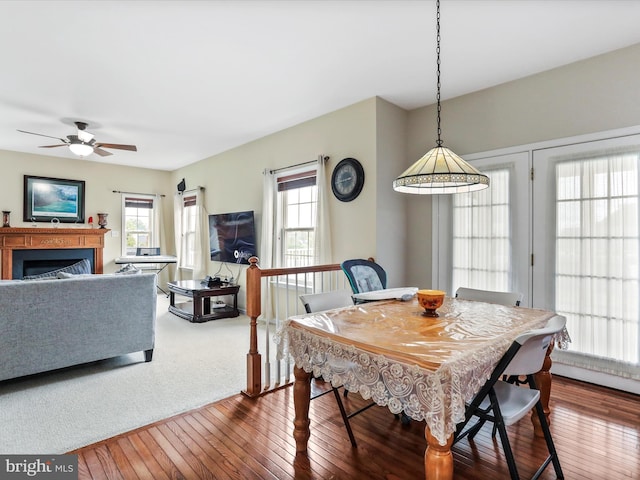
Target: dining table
391	352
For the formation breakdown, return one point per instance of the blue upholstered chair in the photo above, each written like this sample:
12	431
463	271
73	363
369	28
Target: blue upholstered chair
364	275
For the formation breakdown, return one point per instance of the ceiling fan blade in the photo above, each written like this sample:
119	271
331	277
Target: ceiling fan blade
132	148
41	135
102	153
51	146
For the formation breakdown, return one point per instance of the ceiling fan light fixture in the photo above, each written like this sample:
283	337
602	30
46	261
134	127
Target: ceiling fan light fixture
81	149
440	171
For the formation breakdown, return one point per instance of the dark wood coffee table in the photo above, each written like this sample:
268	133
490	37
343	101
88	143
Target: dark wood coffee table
201	294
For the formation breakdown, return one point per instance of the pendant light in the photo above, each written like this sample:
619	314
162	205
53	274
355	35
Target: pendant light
440	170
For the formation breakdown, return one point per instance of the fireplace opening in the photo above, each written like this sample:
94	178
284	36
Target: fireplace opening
35	262
36	267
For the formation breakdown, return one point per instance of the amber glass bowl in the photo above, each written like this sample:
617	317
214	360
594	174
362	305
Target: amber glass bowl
430	300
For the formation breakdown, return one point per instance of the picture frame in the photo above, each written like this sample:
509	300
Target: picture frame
46	199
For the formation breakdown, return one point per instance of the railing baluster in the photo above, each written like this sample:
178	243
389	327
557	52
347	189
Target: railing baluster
269	307
267	316
276	292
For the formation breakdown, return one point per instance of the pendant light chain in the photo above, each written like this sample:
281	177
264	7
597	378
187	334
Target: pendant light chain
440	171
439	143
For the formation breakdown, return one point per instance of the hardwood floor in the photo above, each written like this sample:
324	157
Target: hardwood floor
596	431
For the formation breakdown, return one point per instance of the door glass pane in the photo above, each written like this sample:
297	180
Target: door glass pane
596	254
482	235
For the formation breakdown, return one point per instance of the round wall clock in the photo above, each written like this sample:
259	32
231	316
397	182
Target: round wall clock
347	179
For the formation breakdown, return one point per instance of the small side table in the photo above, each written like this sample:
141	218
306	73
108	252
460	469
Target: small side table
201	295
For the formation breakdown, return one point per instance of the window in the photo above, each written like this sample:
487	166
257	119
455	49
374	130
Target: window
481	235
296	217
189	222
139	225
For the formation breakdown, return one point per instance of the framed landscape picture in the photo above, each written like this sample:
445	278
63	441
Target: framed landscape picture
48	198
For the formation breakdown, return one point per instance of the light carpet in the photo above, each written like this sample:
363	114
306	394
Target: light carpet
193	364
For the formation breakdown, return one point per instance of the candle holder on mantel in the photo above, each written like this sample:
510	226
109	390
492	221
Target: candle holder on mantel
6	214
102	220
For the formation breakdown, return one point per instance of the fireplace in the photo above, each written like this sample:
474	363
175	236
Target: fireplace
34	262
29	251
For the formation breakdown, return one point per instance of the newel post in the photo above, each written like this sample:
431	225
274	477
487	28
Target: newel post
254	301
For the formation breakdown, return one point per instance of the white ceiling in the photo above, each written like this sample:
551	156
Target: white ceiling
184	80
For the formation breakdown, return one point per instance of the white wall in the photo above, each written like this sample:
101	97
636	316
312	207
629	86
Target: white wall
391	218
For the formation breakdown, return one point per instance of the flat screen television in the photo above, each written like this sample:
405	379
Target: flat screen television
232	237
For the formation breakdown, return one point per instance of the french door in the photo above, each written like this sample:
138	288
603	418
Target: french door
483	237
559	224
586	249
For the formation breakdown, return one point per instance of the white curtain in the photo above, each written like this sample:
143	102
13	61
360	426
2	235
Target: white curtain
158	222
597	243
322	245
178	212
481	242
267	240
201	239
201	256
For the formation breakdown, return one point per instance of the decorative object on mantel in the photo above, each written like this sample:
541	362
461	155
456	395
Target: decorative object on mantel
90	222
46	198
440	170
55	222
102	220
5	218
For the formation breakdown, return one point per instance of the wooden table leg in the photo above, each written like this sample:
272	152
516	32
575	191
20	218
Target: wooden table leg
438	459
543	382
301	400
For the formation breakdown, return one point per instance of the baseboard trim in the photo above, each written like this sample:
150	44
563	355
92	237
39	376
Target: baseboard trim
598	378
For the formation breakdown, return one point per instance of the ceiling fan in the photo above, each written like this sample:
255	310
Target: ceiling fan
83	143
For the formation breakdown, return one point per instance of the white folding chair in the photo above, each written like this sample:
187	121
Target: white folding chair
505	403
489	296
510	299
317	302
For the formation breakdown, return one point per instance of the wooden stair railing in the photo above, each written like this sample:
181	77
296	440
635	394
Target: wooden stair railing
254	285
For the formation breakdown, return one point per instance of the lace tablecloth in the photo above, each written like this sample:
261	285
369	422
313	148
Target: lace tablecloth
389	352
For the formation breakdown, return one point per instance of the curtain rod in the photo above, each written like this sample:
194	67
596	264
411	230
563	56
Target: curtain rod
137	193
320	157
192	190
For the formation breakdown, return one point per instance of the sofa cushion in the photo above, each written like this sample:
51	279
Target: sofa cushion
83	266
73	275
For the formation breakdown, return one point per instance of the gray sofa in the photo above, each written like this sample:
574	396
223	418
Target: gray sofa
51	324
